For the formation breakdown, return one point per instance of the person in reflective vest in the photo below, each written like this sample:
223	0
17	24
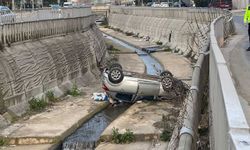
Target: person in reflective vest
247	21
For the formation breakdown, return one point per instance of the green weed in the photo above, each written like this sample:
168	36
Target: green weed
167	49
129	33
166	135
74	91
2	142
119	138
37	104
158	43
51	96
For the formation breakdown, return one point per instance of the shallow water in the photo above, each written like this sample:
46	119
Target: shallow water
87	135
152	65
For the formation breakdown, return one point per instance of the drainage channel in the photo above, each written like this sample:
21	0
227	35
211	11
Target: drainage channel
87	135
151	63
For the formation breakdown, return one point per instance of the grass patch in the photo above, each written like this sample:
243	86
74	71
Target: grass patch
105	26
129	33
159	43
37	104
117	29
166	135
167	49
112	48
74	91
126	137
51	96
3	141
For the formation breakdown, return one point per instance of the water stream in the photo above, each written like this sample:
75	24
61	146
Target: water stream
151	63
87	135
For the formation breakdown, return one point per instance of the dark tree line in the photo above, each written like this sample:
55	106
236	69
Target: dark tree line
202	3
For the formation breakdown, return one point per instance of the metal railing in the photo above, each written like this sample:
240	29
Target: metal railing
44	14
53	14
20	31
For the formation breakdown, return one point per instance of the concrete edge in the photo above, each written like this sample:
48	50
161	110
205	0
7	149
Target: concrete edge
57	139
138	137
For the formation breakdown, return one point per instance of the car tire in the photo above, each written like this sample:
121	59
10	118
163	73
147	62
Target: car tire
115	65
166	73
115	75
167	83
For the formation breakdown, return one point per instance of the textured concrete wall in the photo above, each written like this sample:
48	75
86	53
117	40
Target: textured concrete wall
31	68
179	34
183	29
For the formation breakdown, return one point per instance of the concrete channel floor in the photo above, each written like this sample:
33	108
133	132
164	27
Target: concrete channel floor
142	118
56	123
145	115
238	61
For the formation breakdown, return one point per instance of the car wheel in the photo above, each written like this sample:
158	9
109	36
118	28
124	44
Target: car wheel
115	65
166	73
167	82
115	75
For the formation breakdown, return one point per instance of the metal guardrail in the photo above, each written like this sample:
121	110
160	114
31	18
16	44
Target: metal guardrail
21	31
44	14
229	126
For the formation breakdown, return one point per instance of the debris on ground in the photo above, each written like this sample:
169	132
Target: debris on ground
102	96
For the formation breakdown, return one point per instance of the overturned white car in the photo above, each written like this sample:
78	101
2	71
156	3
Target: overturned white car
129	86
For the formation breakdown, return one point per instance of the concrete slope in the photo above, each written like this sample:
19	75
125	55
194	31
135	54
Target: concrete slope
31	68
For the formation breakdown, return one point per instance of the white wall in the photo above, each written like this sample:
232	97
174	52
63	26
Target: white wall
240	4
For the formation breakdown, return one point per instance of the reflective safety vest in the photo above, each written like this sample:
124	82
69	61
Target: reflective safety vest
247	15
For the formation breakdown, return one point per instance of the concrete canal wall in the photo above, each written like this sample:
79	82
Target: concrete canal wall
184	30
31	68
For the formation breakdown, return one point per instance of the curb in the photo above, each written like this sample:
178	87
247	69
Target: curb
57	139
138	137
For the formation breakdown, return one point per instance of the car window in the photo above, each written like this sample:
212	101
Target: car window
125	97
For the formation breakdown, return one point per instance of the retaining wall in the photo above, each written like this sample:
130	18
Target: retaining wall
229	128
33	67
184	30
